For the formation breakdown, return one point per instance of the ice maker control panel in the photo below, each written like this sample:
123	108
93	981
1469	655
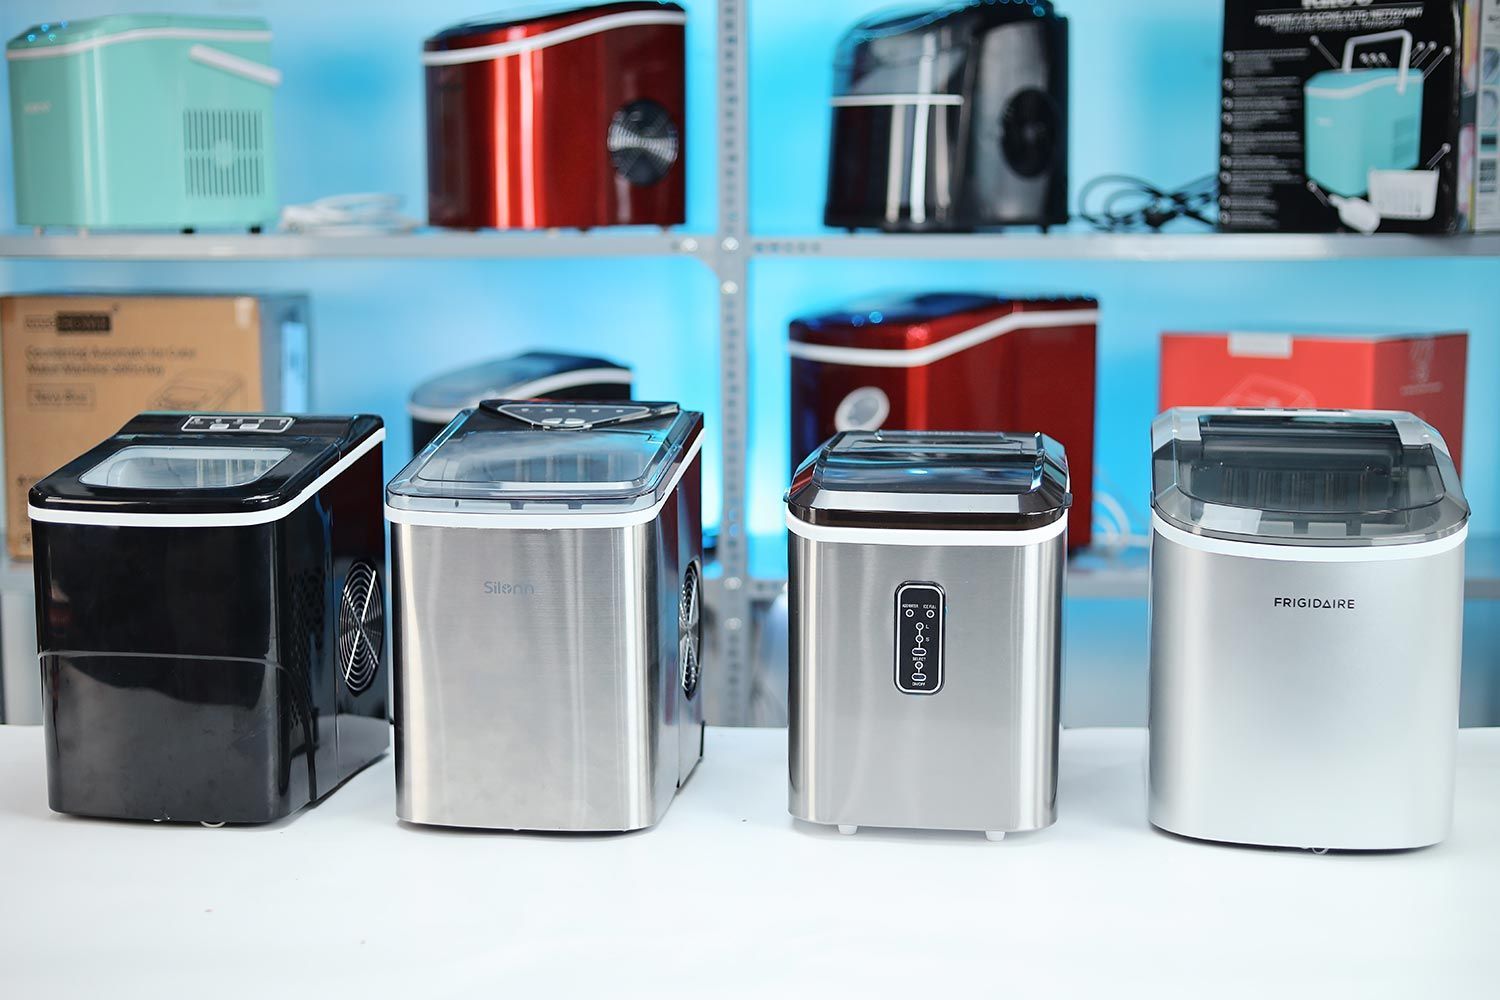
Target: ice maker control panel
221	423
919	638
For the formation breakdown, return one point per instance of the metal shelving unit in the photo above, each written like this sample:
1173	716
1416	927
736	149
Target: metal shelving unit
1071	245
423	244
737	598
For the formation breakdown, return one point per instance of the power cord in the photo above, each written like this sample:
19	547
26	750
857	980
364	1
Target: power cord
349	215
1121	203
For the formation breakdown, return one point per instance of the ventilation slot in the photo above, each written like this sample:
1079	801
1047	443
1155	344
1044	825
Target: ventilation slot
361	627
690	628
222	153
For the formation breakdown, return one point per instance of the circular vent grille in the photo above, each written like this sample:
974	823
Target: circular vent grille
690	628
1028	133
361	627
642	142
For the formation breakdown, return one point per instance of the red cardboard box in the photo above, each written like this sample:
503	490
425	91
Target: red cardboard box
1420	373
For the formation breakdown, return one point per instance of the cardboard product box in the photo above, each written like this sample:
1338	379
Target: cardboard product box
76	367
1479	140
1342	115
1421	373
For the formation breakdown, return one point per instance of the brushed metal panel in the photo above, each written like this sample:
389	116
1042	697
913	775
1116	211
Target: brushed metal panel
1304	727
537	680
981	754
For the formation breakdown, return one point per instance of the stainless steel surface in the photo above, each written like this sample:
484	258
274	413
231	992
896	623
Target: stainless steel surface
1304	727
979	755
538	682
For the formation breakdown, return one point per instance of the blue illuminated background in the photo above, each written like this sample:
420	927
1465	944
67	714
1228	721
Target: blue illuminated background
1144	100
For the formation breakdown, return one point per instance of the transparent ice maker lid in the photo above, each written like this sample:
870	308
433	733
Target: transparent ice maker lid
933	480
507	455
179	467
1305	477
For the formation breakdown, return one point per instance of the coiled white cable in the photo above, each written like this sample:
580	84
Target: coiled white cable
362	214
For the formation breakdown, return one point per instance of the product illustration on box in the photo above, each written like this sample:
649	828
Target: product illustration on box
143	121
951	118
210	616
1357	117
926	583
1307	586
568	118
951	362
533	375
548	616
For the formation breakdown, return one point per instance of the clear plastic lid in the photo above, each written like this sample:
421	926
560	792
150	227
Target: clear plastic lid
1305	477
510	455
535	373
171	467
933	479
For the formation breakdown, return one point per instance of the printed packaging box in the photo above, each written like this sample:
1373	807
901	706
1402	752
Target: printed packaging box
77	367
1421	373
1348	115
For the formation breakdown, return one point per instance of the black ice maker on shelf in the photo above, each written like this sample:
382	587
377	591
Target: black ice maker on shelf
210	616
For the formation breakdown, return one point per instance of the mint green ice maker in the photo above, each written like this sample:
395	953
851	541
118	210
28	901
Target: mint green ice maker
1360	120
143	122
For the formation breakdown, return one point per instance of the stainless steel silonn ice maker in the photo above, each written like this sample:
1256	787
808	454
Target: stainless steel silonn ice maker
1306	627
547	566
926	582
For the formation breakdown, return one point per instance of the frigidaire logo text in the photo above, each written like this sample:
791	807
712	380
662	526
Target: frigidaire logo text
508	589
1334	4
1315	603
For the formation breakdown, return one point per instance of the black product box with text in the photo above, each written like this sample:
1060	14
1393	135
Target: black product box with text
1341	115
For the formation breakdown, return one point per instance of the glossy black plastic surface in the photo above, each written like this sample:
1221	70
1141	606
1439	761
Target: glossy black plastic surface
192	672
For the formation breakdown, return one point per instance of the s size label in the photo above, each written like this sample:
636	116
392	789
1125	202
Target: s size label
919	638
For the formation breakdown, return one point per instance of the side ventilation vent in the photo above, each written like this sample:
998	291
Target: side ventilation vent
690	628
223	153
361	627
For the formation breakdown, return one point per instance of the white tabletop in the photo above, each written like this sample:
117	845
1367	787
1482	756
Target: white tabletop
729	896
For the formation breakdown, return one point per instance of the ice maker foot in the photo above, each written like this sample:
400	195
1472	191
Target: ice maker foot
994	836
847	829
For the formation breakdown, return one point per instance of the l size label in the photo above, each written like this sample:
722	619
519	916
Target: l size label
919	638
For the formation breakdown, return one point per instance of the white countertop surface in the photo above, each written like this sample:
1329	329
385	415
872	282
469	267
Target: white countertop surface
730	896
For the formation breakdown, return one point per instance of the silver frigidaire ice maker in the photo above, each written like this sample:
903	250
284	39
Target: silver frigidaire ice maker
547	566
926	630
1306	628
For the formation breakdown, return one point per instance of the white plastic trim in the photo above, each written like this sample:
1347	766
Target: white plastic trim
520	519
894	100
216	520
139	35
996	538
869	357
530	390
1306	553
571	32
230	63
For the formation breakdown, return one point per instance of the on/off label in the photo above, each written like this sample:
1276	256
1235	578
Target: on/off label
919	638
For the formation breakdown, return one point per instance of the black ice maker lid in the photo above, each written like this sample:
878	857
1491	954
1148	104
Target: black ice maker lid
560	457
933	480
1305	477
214	464
906	51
